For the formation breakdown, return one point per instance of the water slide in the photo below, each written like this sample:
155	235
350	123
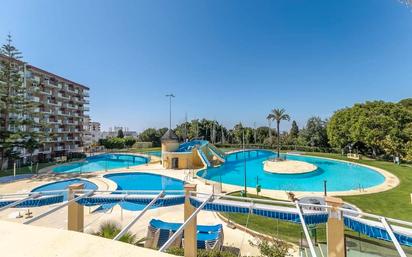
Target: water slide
216	152
203	157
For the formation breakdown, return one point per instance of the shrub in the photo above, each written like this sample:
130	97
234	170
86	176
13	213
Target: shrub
129	141
110	229
75	155
143	145
271	247
201	252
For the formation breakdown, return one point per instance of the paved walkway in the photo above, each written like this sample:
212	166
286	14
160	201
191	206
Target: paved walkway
232	237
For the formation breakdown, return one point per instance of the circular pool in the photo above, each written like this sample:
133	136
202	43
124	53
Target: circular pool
63	185
340	176
102	162
143	181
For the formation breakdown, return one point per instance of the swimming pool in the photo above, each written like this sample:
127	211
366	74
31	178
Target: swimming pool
64	184
102	162
143	181
340	176
155	153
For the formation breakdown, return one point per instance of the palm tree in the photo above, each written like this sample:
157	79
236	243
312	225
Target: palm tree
269	123
109	229
278	115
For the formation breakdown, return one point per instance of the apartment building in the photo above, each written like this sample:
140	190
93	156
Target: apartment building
62	105
94	126
92	132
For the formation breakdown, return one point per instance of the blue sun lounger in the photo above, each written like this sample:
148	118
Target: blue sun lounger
208	236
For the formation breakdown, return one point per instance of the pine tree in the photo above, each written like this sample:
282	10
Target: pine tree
17	122
294	130
120	133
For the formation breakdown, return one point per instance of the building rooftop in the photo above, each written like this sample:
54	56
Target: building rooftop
29	66
169	135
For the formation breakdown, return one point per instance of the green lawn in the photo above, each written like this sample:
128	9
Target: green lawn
293	233
286	231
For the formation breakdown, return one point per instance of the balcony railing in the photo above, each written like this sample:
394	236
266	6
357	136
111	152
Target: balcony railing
45	91
63	96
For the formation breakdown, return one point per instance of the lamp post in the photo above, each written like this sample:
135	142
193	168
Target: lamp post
170	109
244	162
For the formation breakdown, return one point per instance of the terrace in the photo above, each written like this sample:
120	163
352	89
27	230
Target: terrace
239	227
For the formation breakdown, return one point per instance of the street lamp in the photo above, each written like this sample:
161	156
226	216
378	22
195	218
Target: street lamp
244	162
170	109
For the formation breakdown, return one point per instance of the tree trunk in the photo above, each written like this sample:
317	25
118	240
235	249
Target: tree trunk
277	126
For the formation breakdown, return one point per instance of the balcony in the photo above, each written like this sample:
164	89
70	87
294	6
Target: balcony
34	99
52	84
46	111
71	122
71	90
63	96
36	78
51	121
47	140
59	148
45	150
84	108
58	112
55	103
45	91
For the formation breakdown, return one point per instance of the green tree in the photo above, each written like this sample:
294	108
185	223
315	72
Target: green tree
129	141
238	133
278	115
408	151
383	127
152	135
294	130
407	103
120	133
31	144
262	133
16	112
113	143
339	128
315	133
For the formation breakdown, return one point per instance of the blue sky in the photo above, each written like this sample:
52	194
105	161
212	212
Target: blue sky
226	60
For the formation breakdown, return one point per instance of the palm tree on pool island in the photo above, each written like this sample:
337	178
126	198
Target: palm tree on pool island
278	115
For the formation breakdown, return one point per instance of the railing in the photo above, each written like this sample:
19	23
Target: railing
294	212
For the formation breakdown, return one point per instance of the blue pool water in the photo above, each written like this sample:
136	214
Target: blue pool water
340	176
64	184
155	153
102	162
143	181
